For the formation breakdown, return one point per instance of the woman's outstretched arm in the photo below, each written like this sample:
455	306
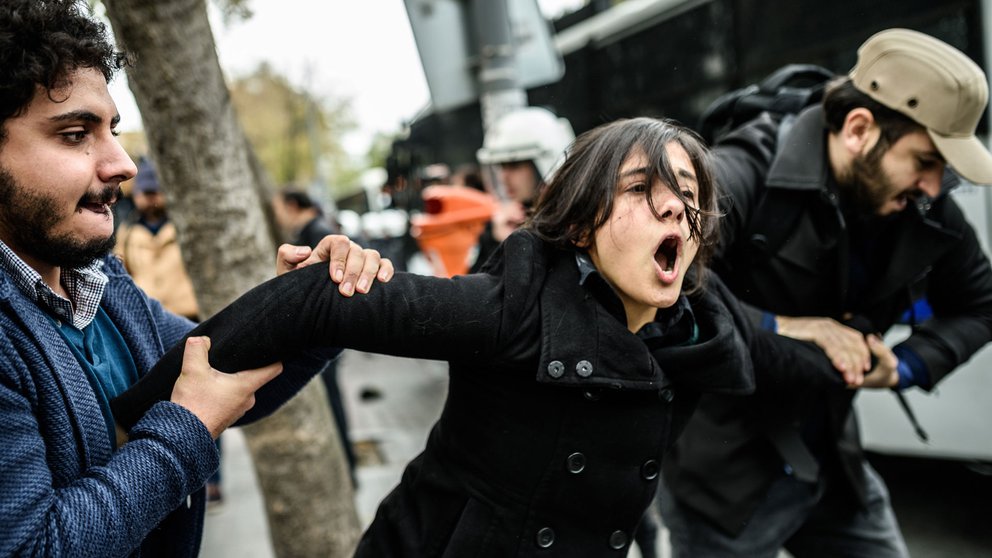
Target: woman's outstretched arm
413	316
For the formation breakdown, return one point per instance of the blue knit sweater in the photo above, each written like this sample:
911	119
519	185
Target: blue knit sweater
64	491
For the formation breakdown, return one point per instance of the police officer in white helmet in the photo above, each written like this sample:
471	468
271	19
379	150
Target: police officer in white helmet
526	145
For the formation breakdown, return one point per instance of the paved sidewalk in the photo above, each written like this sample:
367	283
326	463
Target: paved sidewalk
392	404
237	529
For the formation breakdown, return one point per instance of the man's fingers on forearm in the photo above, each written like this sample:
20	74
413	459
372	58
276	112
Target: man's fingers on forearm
258	377
353	266
848	372
372	262
886	357
386	270
337	248
290	257
195	354
293	254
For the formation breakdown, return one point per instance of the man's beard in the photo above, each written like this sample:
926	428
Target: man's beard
28	219
866	183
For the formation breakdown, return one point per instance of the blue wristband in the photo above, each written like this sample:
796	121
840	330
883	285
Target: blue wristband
768	322
912	370
905	375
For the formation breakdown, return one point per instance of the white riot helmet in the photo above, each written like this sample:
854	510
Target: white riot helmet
528	134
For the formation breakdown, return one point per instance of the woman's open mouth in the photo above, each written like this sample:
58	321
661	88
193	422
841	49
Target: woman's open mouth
667	258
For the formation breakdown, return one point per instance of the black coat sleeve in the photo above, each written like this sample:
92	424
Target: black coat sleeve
466	318
959	291
782	365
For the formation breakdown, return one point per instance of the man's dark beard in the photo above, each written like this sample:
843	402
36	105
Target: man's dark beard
27	219
866	185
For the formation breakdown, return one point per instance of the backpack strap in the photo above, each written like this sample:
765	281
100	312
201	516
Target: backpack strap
786	91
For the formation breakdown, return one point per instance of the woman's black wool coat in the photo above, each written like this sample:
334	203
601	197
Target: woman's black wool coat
557	416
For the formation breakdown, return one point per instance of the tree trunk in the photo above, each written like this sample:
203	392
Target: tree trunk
205	167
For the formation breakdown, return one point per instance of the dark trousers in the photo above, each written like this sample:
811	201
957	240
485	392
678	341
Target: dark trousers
804	518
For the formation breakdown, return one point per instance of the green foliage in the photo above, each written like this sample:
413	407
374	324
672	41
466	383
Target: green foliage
295	134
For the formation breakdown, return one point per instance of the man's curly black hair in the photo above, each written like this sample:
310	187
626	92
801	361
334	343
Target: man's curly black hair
42	42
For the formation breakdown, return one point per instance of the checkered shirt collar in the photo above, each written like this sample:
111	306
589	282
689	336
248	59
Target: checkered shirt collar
84	285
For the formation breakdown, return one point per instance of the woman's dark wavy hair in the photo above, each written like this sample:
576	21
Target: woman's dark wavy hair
42	42
841	97
580	196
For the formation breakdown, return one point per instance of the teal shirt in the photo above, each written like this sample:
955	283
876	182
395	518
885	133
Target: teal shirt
105	358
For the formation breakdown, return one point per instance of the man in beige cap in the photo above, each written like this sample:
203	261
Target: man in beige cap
837	222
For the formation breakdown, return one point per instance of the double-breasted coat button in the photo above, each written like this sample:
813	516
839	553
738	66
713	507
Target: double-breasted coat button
759	242
666	395
584	368
556	369
545	537
650	469
618	540
576	463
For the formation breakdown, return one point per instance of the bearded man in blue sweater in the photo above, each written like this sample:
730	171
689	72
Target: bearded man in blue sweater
75	331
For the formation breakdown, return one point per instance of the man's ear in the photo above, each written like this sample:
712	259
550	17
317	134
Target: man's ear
860	131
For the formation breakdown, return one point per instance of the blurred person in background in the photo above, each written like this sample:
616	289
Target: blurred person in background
468	175
301	218
435	173
524	146
304	223
148	245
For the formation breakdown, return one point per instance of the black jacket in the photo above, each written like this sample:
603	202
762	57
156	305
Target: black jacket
556	418
727	457
313	232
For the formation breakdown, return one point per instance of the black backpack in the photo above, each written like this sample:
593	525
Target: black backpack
786	91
